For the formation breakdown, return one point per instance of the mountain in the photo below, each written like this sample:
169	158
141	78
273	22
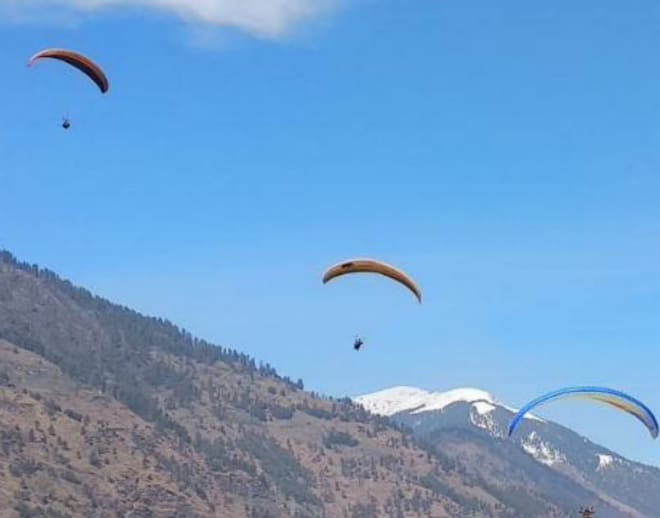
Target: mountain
460	419
412	400
105	412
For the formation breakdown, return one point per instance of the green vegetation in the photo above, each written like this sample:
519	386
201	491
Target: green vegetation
336	438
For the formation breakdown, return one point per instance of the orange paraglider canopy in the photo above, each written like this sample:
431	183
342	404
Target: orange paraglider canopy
372	266
85	65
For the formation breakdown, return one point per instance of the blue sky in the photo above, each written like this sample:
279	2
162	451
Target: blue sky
505	154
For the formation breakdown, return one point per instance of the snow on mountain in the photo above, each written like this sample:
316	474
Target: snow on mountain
413	400
604	461
481	416
542	451
482	407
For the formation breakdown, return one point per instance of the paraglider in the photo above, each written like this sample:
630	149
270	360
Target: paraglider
82	63
372	266
358	343
78	61
614	398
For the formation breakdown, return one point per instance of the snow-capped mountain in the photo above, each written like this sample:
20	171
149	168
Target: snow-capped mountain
469	426
413	400
393	400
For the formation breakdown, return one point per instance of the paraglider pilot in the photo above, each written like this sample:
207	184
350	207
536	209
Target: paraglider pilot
66	123
358	343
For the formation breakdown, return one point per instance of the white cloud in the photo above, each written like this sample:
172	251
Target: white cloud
263	18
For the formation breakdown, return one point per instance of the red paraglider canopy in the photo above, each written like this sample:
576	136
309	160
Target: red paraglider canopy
85	65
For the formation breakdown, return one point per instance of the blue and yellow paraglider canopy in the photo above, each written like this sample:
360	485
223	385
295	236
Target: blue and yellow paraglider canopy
614	398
